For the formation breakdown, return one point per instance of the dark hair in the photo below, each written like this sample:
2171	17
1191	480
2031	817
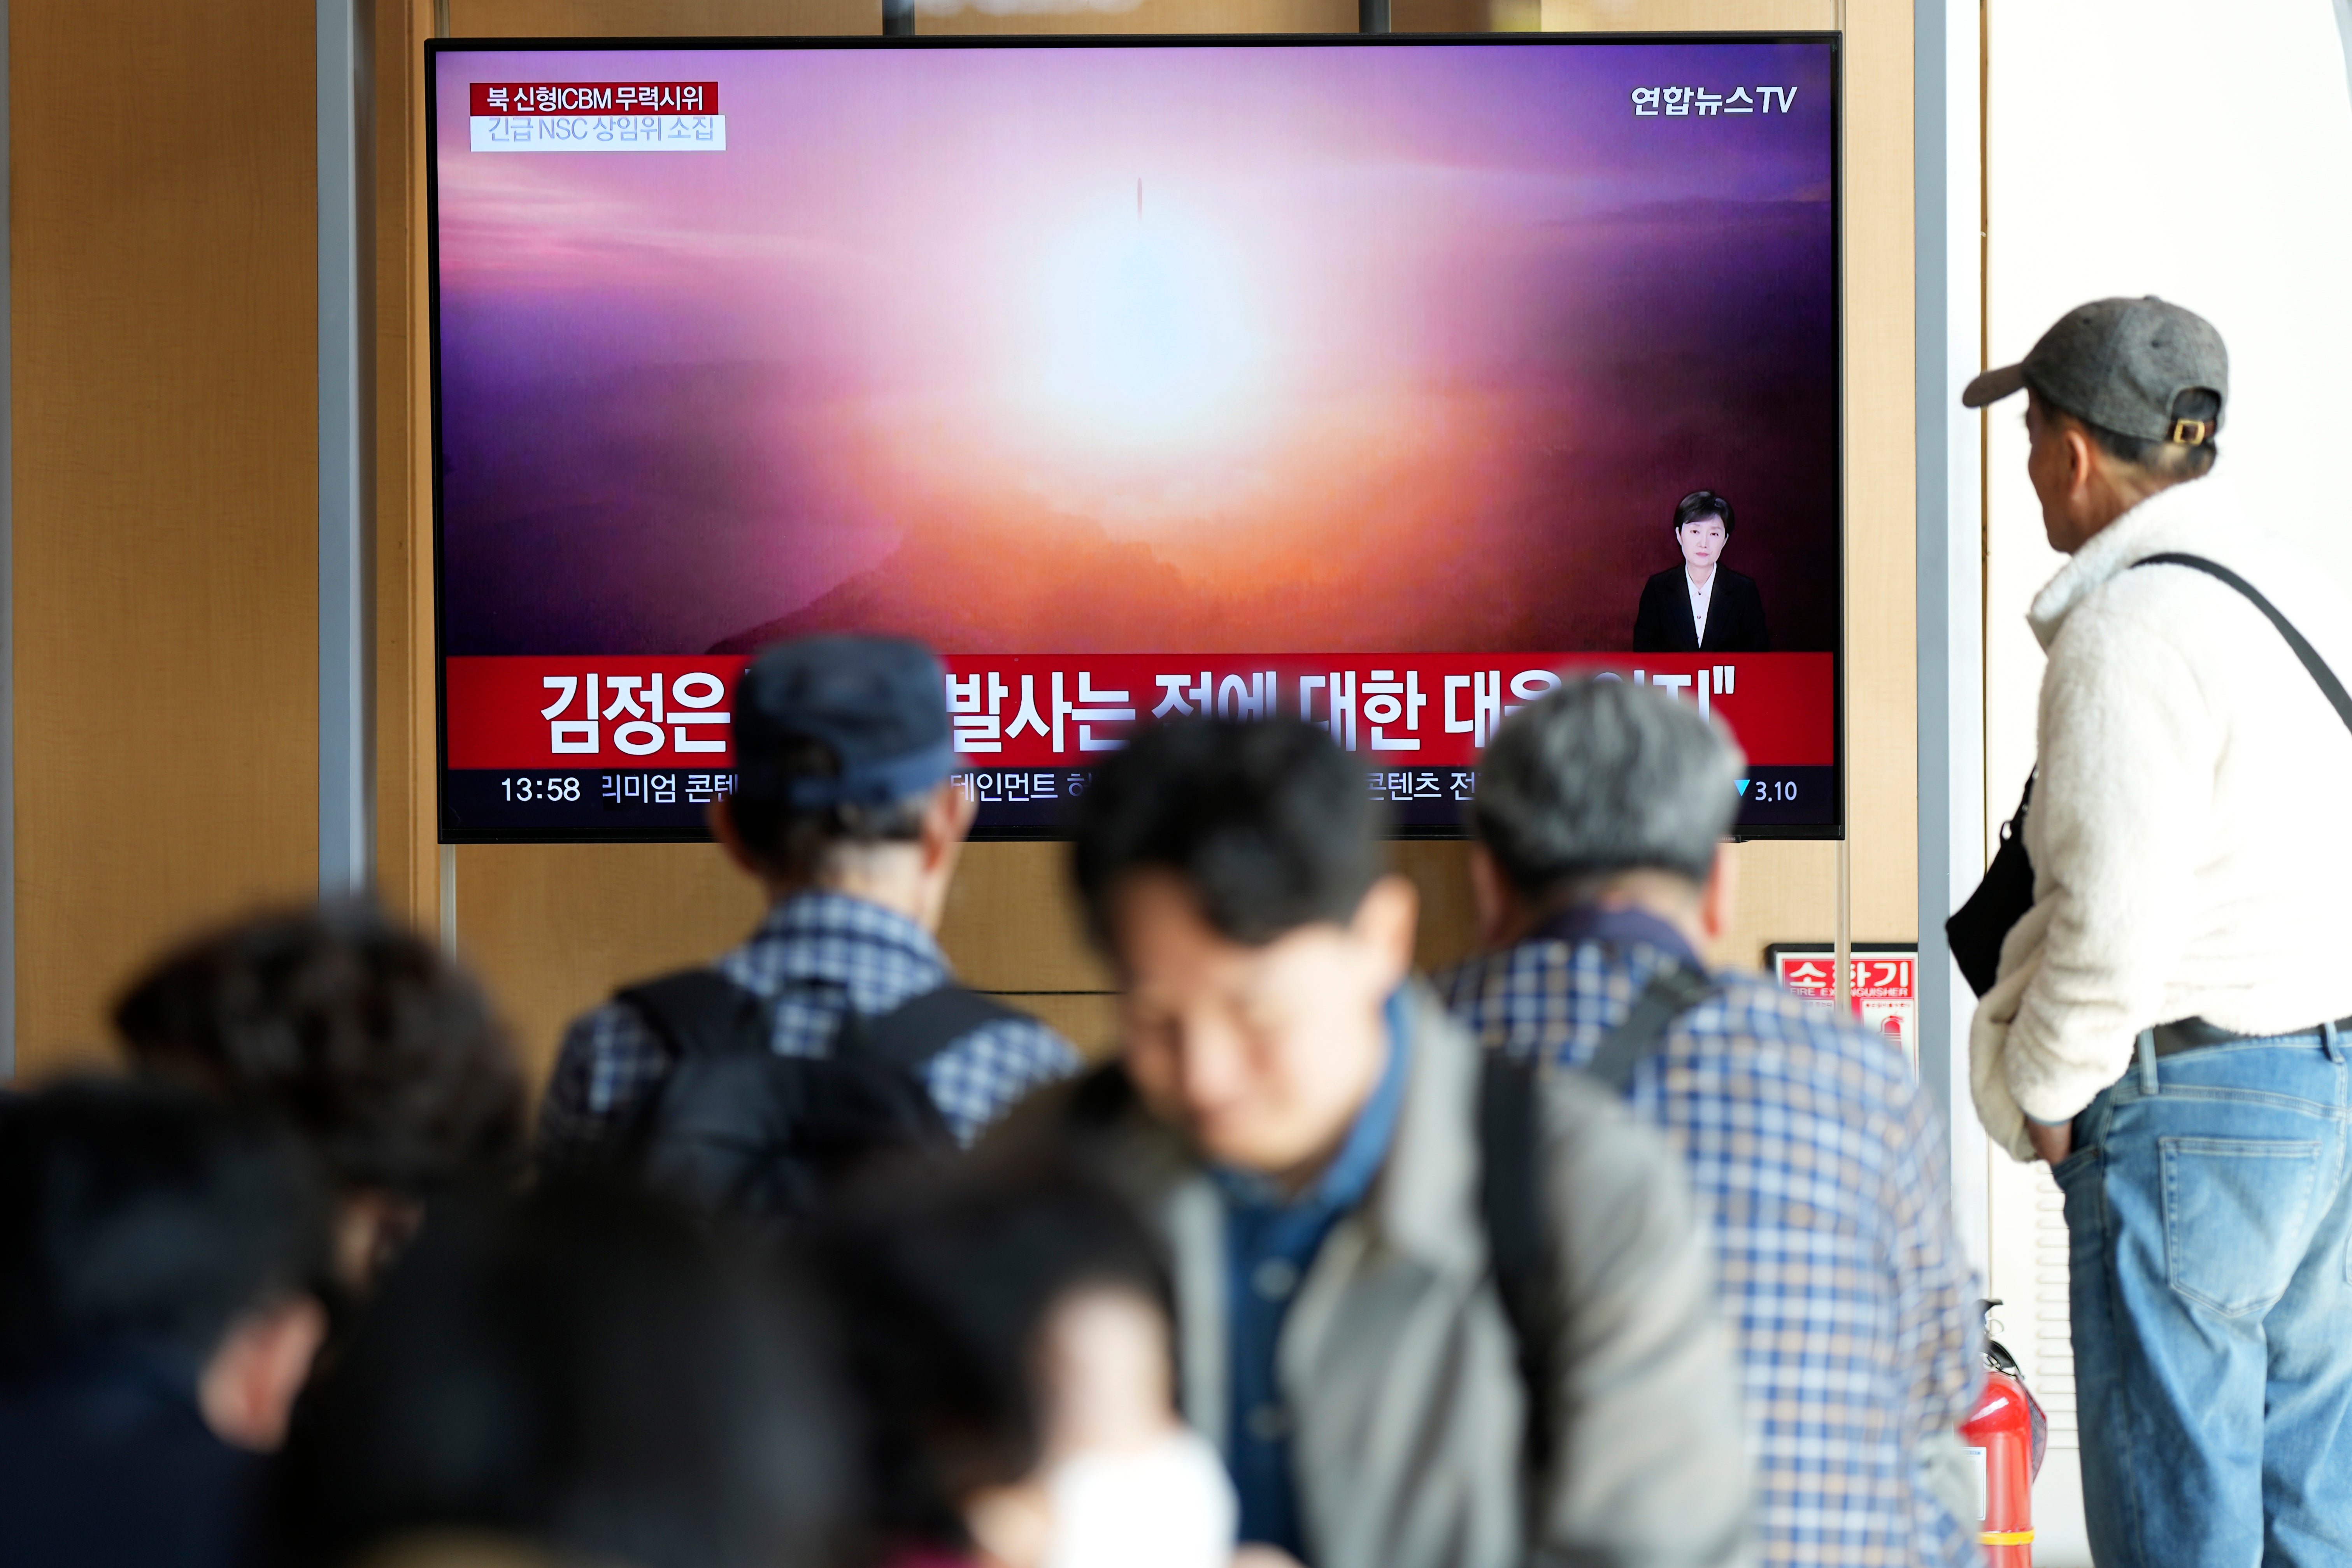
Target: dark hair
580	1369
141	1213
1269	821
1703	503
374	1045
799	842
943	1284
2174	460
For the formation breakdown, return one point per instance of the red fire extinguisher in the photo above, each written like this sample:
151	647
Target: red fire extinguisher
2009	1430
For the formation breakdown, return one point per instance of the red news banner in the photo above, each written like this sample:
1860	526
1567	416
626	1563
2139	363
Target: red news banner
1045	710
489	97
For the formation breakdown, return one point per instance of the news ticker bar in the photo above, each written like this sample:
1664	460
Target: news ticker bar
492	803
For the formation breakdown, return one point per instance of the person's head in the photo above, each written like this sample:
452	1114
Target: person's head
379	1048
842	751
1232	873
2124	399
1702	524
1604	792
142	1218
1000	1323
582	1371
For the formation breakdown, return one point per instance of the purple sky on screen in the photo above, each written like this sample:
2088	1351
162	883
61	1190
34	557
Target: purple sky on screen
1204	348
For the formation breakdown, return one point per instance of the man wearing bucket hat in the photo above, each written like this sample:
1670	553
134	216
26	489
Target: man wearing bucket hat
2167	1024
844	814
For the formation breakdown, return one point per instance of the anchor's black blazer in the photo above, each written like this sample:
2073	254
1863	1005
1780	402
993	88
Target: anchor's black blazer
1735	619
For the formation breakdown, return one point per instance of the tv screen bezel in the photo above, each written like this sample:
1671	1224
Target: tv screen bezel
1834	829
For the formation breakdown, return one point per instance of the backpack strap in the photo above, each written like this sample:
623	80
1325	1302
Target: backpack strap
2329	686
1511	1186
909	1035
698	1013
693	1013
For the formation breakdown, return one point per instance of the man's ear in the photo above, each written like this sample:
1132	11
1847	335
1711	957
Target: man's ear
1385	922
1495	902
721	818
248	1389
2081	461
947	821
1718	901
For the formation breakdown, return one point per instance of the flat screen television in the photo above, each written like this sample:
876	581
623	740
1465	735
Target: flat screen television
1353	379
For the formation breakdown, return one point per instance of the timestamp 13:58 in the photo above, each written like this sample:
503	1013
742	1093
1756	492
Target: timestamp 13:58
526	789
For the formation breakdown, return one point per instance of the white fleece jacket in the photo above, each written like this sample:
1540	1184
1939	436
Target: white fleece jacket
2191	825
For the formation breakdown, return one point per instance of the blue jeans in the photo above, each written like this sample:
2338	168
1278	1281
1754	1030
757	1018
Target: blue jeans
2211	1217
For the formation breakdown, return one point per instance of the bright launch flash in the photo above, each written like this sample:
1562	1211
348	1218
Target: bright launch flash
1146	334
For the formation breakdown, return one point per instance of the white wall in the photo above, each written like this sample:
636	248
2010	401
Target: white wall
2204	153
2200	153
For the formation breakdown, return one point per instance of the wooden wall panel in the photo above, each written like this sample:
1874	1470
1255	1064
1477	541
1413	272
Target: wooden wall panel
663	18
808	18
554	929
1698	15
165	438
408	861
1881	467
1154	16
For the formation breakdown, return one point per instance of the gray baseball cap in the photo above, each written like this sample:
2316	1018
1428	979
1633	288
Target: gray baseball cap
2121	364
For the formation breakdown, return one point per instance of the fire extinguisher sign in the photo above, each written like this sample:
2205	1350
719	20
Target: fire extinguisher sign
1884	986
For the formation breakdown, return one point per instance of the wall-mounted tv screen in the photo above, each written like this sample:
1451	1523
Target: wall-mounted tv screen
1357	380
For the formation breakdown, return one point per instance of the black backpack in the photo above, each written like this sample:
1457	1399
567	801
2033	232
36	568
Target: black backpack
735	1128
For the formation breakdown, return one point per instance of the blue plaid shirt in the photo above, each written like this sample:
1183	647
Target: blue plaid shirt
1822	1165
814	958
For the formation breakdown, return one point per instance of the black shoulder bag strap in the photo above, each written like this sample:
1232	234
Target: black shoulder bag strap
2329	686
1510	1202
1511	1186
909	1035
1977	929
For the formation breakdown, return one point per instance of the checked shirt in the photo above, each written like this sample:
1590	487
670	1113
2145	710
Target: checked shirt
814	958
1822	1165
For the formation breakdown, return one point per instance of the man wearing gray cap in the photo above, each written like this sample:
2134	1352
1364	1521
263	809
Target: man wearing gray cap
1600	873
2168	1022
843	815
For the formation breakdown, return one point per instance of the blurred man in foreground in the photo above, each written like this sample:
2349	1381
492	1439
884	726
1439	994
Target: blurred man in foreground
577	1377
374	1045
1600	871
1434	1316
159	1253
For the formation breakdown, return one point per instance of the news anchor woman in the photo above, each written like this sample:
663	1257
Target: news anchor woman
1701	605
